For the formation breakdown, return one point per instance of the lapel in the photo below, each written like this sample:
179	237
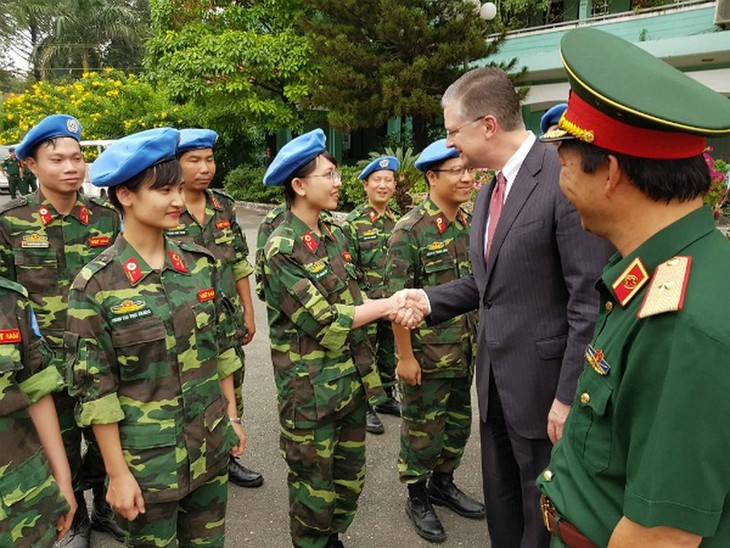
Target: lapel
522	188
479	228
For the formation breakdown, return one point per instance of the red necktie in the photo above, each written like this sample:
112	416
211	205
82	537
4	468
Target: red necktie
495	209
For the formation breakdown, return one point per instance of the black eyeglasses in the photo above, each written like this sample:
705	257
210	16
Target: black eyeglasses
457	170
451	133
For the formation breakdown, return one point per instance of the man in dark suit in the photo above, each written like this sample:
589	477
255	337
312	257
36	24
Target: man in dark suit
533	273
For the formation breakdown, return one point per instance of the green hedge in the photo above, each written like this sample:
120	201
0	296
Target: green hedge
245	183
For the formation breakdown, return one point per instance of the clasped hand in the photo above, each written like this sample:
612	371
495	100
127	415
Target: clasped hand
408	307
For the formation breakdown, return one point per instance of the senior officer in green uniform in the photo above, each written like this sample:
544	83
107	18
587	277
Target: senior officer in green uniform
367	229
643	460
210	220
45	239
143	331
324	368
13	169
430	246
37	503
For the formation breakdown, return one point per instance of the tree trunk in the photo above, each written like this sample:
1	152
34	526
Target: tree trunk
420	133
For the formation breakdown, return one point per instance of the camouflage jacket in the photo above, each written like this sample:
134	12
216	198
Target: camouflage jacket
268	224
222	236
25	378
44	251
367	236
426	250
321	363
142	347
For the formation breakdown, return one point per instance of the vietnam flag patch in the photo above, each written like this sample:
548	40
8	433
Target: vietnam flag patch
10	336
205	295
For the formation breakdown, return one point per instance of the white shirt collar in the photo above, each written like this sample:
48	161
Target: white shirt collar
513	165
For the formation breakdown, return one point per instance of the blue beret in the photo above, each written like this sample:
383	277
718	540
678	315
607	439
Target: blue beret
196	139
132	154
384	162
552	116
293	155
435	153
57	125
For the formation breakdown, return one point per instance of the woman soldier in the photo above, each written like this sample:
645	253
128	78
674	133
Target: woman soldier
323	366
35	479
142	332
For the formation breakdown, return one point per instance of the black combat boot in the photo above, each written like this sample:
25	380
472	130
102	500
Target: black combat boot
443	492
391	405
239	475
423	516
79	536
334	541
102	515
373	424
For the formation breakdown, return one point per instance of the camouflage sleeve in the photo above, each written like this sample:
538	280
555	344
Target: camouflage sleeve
38	378
329	324
93	370
241	267
400	262
7	264
351	242
265	230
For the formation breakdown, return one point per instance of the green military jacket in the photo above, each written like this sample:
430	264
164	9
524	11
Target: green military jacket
25	378
44	251
321	363
367	236
272	219
143	348
11	167
426	250
647	436
221	234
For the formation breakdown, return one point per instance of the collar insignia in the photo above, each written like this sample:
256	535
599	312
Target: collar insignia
373	215
132	270
45	215
177	261
215	202
84	215
310	241
631	280
441	222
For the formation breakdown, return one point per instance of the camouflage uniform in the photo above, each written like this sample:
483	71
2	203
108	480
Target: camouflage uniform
324	371
30	501
222	236
367	236
268	224
426	250
143	348
43	251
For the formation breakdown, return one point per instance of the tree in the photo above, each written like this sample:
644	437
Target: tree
378	59
240	63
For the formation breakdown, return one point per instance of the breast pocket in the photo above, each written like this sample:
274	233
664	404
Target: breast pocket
141	350
36	269
439	269
591	432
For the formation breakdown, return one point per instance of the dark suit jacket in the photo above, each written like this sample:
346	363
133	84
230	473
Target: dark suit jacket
536	297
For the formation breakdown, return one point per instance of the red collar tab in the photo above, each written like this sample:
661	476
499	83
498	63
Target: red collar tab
441	222
84	215
45	214
586	123
177	261
132	270
215	202
631	280
310	241
373	215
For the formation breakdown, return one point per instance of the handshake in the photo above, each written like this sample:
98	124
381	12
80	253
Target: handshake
407	307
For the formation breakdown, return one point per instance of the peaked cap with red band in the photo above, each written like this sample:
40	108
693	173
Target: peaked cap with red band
625	100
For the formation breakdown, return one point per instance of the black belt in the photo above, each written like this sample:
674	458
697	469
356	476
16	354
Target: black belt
564	530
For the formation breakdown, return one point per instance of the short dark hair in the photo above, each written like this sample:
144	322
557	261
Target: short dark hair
165	173
661	180
483	91
48	142
11	149
303	171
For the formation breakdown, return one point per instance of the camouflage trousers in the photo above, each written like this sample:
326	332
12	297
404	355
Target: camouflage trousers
326	477
31	505
198	519
381	338
88	469
435	426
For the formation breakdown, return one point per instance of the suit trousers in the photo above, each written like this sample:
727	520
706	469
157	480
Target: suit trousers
510	466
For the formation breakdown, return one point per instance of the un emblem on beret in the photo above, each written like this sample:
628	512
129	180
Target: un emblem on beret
72	124
383	163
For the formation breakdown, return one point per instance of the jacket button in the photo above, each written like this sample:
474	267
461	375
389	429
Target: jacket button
547	475
488	305
585	398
